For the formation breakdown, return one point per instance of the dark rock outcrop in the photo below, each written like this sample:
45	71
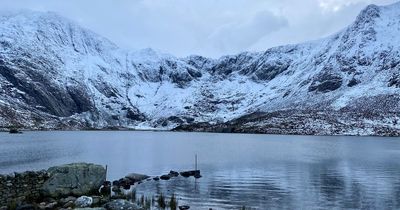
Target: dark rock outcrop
326	82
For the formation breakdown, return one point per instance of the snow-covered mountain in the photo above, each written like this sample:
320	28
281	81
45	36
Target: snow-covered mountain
55	74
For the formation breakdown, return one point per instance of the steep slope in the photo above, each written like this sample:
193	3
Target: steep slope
57	75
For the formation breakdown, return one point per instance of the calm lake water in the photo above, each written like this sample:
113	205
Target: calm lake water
259	171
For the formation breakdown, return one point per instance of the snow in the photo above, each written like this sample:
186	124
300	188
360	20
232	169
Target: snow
146	79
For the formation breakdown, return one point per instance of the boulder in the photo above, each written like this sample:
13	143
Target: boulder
195	173
83	202
105	189
165	177
121	204
173	173
76	179
115	183
68	199
136	177
69	204
116	189
126	183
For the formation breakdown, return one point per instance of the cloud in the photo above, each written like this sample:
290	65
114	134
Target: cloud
239	36
336	5
206	27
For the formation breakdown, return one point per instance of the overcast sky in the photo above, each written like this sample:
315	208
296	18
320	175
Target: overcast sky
205	27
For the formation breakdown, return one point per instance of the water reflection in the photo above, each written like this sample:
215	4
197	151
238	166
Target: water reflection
259	171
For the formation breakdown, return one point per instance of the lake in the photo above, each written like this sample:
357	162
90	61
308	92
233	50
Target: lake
258	171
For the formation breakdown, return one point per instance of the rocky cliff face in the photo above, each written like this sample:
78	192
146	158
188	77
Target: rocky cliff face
56	75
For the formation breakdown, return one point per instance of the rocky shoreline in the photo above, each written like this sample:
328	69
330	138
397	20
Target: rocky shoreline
82	186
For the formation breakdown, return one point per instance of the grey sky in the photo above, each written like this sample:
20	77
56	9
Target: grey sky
206	27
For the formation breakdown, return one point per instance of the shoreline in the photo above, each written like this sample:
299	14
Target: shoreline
5	130
83	185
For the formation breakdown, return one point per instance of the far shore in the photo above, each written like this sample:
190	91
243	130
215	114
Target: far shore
123	129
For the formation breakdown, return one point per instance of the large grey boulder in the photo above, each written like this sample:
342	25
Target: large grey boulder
75	179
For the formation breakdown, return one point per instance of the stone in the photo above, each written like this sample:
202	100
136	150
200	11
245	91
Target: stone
116	189
49	200
83	202
121	204
173	173
165	177
115	183
51	205
136	177
105	189
184	207
126	183
76	179
156	178
195	173
69	204
96	200
98	208
67	200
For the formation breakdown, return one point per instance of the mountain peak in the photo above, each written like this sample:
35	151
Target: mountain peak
49	30
367	16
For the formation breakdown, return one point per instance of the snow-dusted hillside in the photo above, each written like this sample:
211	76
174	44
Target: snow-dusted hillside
56	75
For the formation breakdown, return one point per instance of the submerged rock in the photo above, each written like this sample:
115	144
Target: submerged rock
173	173
14	131
74	179
185	207
121	204
195	173
165	177
136	177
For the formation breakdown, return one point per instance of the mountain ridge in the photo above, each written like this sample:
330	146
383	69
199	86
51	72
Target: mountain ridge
55	74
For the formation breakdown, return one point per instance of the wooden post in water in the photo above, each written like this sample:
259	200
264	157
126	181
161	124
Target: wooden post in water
106	172
195	162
